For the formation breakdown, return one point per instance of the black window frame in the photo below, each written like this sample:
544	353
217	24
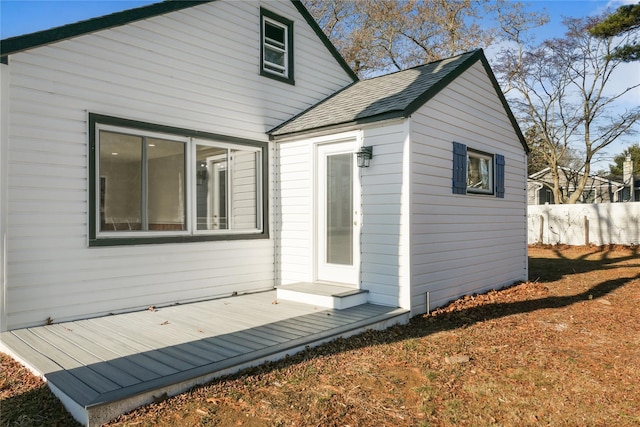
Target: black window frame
288	77
94	194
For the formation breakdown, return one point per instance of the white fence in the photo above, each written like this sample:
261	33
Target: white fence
583	224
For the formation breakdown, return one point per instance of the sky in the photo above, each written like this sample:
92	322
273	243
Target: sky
19	17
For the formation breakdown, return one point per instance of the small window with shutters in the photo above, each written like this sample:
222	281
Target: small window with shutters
477	172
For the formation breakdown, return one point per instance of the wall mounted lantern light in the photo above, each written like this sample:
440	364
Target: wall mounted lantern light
364	156
202	176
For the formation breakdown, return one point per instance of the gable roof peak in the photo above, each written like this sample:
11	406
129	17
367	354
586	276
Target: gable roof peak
395	95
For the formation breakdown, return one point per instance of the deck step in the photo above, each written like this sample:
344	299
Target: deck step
323	294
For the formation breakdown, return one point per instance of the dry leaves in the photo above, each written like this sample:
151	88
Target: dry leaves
538	353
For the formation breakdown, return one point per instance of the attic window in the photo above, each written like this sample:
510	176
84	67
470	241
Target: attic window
276	40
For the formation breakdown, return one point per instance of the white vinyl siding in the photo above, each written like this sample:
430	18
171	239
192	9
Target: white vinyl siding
464	244
385	224
383	213
197	69
293	211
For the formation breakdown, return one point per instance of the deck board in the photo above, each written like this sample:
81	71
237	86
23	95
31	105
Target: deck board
106	360
27	353
279	331
119	377
91	378
121	346
119	360
136	342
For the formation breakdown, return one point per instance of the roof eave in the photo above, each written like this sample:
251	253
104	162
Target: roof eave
505	104
406	112
390	115
29	41
478	55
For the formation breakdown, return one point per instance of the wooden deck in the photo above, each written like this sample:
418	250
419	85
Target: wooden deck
106	366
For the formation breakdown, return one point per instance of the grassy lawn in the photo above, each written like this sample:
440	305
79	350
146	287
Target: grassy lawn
560	350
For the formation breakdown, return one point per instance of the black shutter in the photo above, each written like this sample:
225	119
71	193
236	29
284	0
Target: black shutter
499	176
459	168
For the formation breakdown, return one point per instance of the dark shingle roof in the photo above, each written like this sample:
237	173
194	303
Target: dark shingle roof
391	96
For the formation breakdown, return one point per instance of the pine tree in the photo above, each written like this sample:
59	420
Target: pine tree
626	19
615	171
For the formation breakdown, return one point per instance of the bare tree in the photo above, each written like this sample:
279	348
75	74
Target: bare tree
377	36
563	90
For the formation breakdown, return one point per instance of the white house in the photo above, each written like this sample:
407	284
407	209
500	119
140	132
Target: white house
186	151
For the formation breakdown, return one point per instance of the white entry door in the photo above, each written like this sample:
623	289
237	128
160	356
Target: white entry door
338	227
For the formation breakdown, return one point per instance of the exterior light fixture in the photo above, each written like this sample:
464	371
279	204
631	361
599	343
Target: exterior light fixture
201	176
364	156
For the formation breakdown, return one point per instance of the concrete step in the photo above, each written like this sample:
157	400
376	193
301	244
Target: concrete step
323	294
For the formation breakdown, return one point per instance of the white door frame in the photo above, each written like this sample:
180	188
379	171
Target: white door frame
324	271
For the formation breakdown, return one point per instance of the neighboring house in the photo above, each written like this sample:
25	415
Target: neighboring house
185	151
626	194
597	190
631	181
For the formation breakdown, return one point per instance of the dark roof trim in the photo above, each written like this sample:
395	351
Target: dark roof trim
273	137
477	55
541	173
389	115
505	104
442	83
323	37
40	38
393	114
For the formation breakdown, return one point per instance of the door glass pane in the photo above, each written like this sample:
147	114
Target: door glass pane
120	182
166	185
339	205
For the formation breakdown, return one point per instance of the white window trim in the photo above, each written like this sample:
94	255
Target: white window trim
268	66
144	134
490	161
259	195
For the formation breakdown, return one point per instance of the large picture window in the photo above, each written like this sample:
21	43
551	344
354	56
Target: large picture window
152	183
